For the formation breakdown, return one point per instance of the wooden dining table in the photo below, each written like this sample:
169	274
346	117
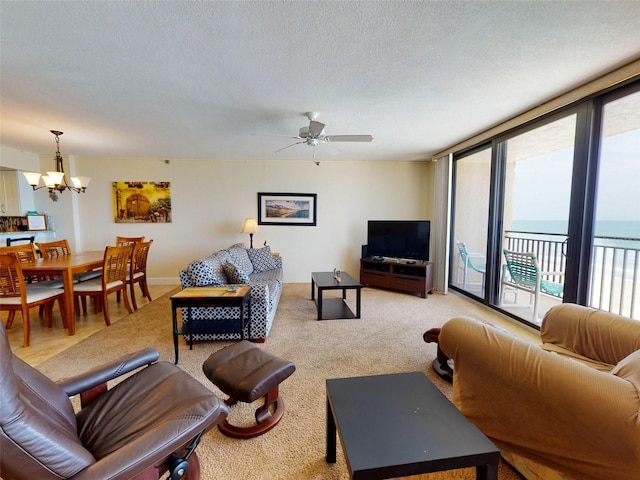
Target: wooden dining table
66	266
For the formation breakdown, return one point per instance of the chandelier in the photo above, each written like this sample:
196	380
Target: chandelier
56	181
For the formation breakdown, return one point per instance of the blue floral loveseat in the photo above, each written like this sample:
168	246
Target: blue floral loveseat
237	265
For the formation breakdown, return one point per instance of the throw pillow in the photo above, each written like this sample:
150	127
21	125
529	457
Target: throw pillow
234	274
239	257
205	272
261	259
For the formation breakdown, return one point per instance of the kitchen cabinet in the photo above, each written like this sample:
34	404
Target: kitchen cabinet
16	196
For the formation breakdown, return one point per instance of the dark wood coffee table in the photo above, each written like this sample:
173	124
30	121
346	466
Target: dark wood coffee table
401	424
334	308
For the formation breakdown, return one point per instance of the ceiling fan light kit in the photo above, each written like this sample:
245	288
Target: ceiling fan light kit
314	135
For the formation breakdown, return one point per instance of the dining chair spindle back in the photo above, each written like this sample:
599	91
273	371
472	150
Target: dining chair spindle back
16	295
123	241
138	271
113	279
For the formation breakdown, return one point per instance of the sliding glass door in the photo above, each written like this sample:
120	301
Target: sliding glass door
550	212
614	274
538	167
472	180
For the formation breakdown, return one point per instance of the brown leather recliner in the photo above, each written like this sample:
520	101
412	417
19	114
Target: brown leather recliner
141	428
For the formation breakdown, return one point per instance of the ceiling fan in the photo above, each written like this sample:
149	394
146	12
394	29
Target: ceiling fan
314	135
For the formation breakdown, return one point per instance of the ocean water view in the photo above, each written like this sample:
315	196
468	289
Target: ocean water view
619	229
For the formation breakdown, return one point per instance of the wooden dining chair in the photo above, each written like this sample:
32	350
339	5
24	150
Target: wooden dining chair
60	248
26	252
122	241
138	271
20	240
57	248
16	295
113	279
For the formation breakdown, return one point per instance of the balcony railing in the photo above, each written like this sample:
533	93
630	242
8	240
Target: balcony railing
614	276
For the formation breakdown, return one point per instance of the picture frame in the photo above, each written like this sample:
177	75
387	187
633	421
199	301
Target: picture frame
36	222
141	202
298	209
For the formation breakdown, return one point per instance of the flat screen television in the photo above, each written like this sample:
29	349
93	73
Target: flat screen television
399	239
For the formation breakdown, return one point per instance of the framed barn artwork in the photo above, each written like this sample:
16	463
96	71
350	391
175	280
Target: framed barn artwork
142	202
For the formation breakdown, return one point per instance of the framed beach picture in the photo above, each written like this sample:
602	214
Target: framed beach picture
287	209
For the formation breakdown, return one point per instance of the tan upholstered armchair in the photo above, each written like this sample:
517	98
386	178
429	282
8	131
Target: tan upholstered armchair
143	427
569	408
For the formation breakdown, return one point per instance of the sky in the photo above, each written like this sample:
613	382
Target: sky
542	184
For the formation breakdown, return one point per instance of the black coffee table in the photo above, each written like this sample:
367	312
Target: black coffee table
401	424
334	308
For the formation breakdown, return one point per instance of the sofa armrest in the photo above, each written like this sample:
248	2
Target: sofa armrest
540	405
185	279
259	293
595	334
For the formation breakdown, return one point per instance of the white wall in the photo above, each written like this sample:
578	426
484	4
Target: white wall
19	160
210	200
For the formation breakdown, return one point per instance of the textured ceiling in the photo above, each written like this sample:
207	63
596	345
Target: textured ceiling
187	79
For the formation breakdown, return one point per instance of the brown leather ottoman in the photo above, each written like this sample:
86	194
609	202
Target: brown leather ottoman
246	373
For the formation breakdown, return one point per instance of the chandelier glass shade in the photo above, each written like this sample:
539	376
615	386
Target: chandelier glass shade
56	180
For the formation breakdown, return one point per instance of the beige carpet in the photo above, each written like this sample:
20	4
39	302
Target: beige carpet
387	339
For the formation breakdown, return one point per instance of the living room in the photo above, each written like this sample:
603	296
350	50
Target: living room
224	160
218	146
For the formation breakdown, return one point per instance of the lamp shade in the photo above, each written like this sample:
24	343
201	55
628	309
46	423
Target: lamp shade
32	177
48	181
56	177
250	226
80	182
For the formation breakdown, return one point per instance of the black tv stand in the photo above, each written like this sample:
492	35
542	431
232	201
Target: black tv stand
397	274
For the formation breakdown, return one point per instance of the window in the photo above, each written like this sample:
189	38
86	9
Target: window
565	188
472	184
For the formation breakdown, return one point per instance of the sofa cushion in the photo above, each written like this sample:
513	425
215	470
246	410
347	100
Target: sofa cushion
262	259
629	369
208	271
235	274
240	258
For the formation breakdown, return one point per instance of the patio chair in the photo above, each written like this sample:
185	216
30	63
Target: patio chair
522	272
469	260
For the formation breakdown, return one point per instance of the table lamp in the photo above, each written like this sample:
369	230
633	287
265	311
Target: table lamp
250	226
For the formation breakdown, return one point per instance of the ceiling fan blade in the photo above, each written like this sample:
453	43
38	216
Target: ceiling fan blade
297	143
348	138
315	128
